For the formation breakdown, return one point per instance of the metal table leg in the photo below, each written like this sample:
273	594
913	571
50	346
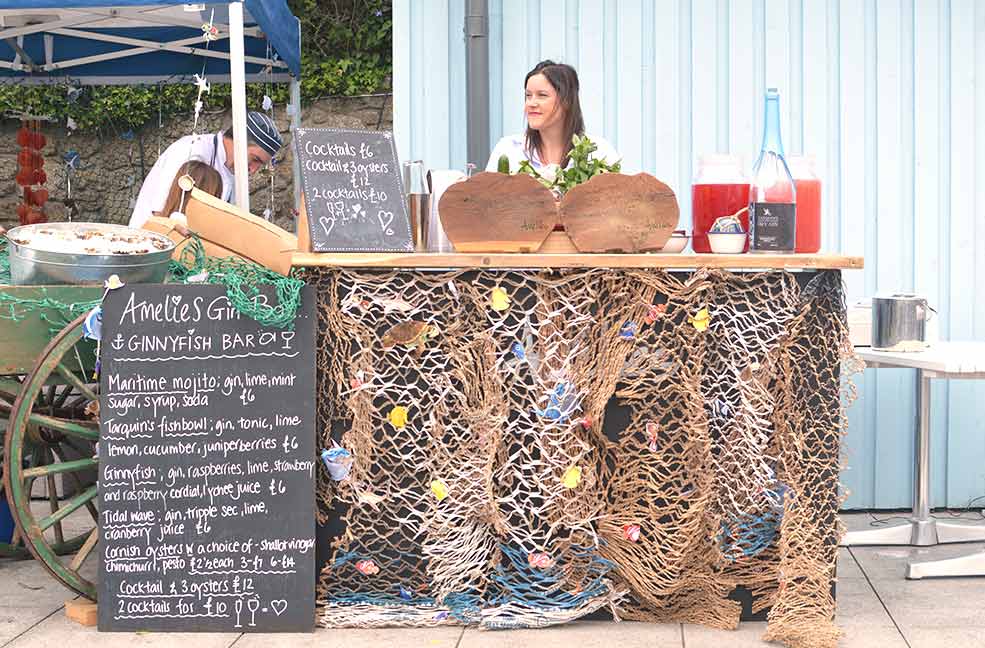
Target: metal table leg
922	530
972	565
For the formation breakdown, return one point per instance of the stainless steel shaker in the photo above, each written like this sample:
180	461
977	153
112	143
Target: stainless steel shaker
418	201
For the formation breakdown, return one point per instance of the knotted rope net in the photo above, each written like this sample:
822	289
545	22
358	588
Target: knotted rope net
529	447
244	281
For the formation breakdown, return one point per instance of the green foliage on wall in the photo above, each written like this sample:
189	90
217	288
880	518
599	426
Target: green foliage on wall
345	50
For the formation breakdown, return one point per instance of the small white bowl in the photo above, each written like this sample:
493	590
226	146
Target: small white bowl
675	244
727	242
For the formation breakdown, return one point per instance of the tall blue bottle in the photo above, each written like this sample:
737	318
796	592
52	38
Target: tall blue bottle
772	192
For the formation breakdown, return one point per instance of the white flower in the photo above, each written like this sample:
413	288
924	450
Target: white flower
549	172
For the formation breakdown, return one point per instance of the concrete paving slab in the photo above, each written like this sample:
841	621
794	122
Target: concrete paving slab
27	596
847	566
579	634
750	635
858	606
441	637
937	637
939	602
58	632
858	521
871	637
864	520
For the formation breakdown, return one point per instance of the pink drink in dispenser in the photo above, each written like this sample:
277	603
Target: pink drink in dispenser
720	188
808	203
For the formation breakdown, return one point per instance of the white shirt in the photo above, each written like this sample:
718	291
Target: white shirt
512	146
206	148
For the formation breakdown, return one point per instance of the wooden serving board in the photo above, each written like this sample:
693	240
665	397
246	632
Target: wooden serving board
494	212
615	212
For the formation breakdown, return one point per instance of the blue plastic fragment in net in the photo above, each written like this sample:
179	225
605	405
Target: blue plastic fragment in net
520	583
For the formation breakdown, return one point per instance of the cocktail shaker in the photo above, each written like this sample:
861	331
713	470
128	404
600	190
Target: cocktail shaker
418	201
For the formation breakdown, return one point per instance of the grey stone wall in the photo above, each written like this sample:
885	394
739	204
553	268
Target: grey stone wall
113	168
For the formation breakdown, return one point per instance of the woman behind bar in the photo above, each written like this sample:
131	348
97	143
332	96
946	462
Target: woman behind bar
553	116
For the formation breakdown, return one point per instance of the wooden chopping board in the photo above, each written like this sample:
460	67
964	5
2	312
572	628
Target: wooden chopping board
615	212
495	212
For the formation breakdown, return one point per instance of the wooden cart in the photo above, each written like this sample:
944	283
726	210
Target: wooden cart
49	398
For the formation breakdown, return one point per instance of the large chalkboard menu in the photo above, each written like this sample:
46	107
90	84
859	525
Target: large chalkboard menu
353	191
206	464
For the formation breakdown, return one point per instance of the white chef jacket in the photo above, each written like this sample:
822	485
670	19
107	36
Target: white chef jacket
512	146
204	148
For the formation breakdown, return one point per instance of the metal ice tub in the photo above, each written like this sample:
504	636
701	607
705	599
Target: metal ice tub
33	267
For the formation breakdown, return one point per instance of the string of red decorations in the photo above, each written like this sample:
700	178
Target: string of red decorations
30	174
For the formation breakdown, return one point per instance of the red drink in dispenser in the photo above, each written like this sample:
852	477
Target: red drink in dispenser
808	204
719	189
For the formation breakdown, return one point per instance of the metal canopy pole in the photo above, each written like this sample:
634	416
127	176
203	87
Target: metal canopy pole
296	124
477	80
237	74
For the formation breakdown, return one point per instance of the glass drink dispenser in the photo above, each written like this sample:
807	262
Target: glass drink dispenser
720	188
808	203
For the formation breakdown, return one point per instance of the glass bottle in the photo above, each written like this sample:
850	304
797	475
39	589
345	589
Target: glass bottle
720	188
772	193
808	186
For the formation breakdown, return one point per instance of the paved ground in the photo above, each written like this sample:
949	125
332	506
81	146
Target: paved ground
877	608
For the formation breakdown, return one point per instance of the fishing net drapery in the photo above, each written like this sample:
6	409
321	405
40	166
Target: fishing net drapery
530	446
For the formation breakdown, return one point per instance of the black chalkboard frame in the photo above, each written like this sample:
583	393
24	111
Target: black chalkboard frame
306	188
289	602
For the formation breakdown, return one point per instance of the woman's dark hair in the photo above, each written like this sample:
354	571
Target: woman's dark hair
564	79
206	178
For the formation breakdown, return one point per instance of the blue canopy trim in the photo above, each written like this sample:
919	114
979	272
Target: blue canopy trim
67	47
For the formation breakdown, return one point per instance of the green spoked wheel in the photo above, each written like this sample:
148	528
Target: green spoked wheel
50	452
9	387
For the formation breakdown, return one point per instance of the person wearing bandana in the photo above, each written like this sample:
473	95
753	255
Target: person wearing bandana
262	144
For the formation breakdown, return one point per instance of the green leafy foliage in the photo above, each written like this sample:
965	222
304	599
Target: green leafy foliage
345	50
346	45
583	167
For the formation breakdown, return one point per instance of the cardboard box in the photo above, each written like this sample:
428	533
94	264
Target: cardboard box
240	233
227	231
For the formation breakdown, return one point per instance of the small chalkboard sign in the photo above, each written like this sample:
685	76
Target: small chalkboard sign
206	464
353	191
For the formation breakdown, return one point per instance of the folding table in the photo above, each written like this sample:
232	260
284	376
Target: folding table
947	360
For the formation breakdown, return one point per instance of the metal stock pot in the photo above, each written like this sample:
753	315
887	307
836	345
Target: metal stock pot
86	253
899	322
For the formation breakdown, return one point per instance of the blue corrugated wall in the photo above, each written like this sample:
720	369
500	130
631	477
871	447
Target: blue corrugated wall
889	95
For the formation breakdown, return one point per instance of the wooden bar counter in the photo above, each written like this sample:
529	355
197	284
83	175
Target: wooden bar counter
516	260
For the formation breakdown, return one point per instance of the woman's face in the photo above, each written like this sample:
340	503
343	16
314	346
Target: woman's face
542	106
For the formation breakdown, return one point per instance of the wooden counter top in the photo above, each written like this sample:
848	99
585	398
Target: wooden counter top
513	260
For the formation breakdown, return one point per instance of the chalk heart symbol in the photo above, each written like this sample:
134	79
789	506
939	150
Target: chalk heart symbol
278	606
327	223
385	219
